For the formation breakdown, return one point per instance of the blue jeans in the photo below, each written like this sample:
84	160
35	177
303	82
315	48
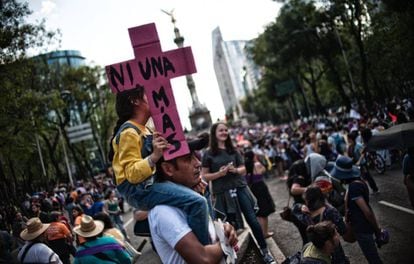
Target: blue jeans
247	207
168	193
117	221
369	248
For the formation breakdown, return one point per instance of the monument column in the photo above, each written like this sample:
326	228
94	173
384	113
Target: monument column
199	114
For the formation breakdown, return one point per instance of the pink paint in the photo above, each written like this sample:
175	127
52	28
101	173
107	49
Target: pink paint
153	69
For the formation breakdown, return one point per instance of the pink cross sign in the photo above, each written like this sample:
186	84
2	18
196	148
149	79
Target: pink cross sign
153	69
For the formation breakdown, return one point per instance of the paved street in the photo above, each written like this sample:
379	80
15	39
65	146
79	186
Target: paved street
397	221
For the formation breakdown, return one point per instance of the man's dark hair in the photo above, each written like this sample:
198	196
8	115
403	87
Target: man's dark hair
160	176
366	135
314	198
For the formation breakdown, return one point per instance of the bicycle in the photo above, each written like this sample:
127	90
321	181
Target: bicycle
375	161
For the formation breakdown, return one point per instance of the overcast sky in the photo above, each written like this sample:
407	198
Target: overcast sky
99	30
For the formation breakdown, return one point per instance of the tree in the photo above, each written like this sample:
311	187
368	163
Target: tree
21	101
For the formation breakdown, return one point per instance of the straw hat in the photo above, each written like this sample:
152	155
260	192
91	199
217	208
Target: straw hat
34	228
89	227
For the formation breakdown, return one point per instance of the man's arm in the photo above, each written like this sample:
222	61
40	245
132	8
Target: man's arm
192	251
205	254
296	189
368	213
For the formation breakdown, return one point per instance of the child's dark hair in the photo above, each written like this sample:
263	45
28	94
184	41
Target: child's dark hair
320	233
124	107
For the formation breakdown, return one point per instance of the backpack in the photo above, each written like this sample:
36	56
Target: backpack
146	147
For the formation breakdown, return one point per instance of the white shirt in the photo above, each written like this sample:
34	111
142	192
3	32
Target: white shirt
39	253
168	226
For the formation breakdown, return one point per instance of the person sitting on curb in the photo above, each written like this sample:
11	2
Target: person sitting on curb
98	248
35	250
324	239
173	238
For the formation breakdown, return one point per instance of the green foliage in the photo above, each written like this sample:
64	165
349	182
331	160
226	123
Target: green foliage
38	101
339	51
16	35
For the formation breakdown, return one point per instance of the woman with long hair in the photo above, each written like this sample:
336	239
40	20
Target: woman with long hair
111	207
254	177
223	167
134	152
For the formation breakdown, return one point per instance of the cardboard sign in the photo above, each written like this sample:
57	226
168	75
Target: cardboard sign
153	69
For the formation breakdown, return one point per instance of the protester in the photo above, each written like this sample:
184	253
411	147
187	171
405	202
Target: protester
316	210
35	250
77	215
408	171
59	238
113	210
174	239
37	212
223	167
98	248
323	240
366	134
134	152
19	223
359	213
70	204
109	229
6	247
254	178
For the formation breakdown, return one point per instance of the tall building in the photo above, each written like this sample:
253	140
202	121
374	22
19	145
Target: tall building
237	75
71	58
67	58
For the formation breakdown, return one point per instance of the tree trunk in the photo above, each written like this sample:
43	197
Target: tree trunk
312	83
337	80
51	147
12	187
356	31
4	188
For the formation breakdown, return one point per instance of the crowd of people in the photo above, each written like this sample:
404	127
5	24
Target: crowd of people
223	178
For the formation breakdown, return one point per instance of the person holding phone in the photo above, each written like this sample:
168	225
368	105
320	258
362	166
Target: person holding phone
223	166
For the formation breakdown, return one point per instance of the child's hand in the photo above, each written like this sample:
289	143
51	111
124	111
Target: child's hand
159	144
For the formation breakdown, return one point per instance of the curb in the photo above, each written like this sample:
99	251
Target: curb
247	234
